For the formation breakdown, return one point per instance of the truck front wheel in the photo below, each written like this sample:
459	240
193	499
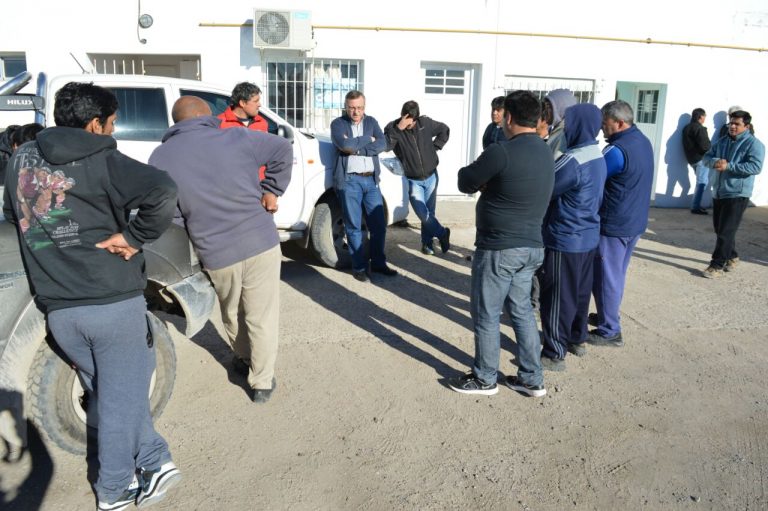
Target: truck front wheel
59	405
327	238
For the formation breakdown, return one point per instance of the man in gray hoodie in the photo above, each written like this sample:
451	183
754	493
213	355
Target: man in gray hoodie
555	105
228	211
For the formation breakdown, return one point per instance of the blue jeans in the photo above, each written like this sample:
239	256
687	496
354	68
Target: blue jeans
108	344
702	179
423	198
611	263
503	278
362	193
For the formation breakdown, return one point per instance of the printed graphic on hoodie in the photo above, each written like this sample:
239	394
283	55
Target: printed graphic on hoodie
41	203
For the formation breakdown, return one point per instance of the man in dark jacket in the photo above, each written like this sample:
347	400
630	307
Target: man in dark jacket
623	215
84	261
357	141
415	139
228	211
695	144
515	179
571	233
494	132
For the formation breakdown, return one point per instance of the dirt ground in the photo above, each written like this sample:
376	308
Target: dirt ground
362	419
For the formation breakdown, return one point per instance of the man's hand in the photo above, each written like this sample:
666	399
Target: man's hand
405	122
721	165
269	201
117	245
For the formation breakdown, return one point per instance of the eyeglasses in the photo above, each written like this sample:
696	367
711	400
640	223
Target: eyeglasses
356	108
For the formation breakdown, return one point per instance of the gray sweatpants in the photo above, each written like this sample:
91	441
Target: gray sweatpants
108	344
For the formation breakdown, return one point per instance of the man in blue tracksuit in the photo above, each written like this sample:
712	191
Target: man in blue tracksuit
571	233
623	215
736	159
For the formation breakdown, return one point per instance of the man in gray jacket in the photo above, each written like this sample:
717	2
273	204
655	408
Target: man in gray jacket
228	214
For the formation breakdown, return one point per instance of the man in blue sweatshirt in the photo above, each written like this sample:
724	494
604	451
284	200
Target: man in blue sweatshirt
736	159
228	211
84	260
623	215
571	233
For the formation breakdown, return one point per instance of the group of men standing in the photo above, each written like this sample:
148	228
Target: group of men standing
559	208
572	220
97	257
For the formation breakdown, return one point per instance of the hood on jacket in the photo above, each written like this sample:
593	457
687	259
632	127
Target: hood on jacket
582	124
195	123
60	145
560	99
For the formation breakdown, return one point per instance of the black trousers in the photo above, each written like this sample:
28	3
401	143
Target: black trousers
726	217
566	288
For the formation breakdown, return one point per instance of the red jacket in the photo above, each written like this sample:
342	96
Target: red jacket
230	120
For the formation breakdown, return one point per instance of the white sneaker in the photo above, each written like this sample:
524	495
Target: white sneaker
154	484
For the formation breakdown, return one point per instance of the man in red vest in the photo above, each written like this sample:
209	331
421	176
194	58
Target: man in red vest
243	111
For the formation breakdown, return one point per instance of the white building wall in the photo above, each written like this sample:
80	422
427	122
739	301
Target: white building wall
710	78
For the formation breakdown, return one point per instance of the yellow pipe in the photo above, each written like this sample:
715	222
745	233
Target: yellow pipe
520	34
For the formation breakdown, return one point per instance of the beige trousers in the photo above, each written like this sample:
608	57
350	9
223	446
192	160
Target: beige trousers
249	297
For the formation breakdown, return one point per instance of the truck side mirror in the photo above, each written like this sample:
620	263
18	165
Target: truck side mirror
285	132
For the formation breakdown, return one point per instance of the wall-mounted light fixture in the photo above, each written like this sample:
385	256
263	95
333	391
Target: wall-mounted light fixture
145	21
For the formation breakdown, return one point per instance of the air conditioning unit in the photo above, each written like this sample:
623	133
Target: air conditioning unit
287	30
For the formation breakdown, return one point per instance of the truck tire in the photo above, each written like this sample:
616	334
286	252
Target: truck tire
327	238
58	403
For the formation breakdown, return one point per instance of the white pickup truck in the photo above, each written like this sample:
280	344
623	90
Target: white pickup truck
36	380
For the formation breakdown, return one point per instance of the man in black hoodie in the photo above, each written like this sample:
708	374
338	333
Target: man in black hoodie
70	193
415	139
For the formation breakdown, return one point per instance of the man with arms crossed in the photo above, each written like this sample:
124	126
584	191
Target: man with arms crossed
515	178
228	211
87	270
623	215
358	140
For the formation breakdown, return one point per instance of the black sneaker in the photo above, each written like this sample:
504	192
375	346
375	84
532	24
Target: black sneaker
427	249
362	276
155	483
125	500
577	349
469	384
699	211
240	366
445	241
592	318
598	340
385	270
261	396
552	364
530	390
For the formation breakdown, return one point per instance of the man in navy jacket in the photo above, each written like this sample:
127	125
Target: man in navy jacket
623	215
358	140
571	234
